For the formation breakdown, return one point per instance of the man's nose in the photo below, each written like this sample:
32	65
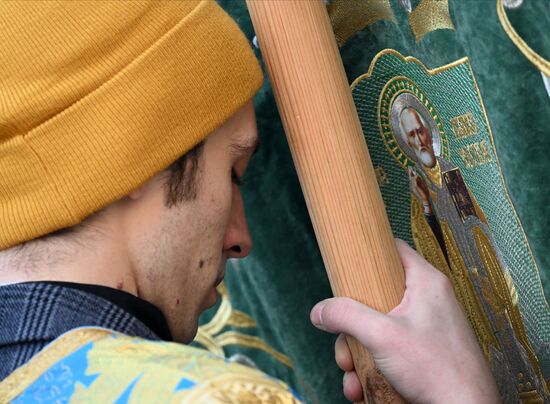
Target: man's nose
238	242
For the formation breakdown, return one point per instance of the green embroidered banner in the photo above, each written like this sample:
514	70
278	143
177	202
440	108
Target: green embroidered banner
428	130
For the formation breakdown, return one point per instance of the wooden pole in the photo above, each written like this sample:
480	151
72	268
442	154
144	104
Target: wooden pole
333	164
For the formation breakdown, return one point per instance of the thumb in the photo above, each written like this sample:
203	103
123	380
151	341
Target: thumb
345	315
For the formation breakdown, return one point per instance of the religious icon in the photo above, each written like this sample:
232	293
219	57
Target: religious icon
450	229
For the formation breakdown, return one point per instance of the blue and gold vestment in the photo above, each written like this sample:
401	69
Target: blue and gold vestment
99	365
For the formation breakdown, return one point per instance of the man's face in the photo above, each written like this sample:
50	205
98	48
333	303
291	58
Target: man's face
181	254
417	136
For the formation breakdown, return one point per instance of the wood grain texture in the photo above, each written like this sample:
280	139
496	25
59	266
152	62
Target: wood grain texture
332	161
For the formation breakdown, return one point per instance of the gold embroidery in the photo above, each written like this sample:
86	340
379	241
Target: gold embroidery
393	88
22	377
505	191
540	63
427	245
430	15
464	125
434	174
511	288
502	295
393	52
383	104
476	314
433	72
381	176
239	388
479	211
531	397
424	240
475	154
213	377
350	16
208	335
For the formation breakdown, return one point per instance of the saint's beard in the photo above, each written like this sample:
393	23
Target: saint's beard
426	157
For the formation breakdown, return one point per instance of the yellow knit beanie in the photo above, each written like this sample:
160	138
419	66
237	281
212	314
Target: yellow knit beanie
96	97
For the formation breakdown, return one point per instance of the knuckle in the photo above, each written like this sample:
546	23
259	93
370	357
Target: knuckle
333	313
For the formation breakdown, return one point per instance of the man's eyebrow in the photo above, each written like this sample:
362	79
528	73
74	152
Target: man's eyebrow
248	147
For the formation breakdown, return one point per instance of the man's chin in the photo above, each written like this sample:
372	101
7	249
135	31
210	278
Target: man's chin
211	298
186	336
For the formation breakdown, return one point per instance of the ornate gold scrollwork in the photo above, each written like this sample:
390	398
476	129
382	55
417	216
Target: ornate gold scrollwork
428	16
211	337
348	17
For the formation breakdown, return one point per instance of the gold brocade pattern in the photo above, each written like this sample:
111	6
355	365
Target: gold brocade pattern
16	382
501	288
430	15
239	389
211	337
350	16
537	60
97	365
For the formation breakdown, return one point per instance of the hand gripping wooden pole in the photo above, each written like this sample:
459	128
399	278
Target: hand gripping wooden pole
332	161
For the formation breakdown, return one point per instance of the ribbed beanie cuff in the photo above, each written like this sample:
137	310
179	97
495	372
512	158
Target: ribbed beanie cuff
106	131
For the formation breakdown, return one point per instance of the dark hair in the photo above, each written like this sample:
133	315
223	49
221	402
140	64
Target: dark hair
181	184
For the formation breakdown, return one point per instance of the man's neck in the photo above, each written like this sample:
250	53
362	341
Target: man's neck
99	262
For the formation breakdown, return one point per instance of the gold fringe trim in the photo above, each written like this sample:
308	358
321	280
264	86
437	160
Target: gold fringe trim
209	342
235	338
208	335
222	315
241	320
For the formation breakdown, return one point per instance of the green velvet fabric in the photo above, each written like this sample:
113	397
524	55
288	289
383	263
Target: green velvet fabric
284	276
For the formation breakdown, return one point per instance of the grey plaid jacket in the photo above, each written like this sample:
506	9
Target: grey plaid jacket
34	314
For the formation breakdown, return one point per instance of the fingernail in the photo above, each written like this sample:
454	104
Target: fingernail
318	322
